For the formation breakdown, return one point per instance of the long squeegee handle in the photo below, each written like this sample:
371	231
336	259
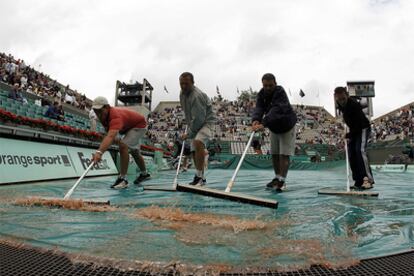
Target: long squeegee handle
233	178
70	192
348	184
179	162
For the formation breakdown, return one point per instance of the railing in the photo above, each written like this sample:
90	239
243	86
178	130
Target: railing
52	136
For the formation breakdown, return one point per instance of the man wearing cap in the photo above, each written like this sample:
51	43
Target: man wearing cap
126	128
357	138
200	119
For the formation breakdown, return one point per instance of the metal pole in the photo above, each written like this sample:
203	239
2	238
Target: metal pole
179	162
233	178
143	91
348	185
70	192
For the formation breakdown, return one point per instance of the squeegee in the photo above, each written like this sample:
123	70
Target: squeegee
70	192
227	194
175	182
347	192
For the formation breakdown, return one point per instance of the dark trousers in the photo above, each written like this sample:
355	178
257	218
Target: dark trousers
358	158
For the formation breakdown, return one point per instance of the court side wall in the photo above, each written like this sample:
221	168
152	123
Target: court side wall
26	161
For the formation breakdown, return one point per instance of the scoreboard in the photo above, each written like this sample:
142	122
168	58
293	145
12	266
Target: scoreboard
361	88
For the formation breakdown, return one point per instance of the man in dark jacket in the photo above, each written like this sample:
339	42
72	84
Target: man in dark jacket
273	110
52	111
358	135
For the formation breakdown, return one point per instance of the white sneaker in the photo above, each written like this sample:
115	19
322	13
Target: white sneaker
367	184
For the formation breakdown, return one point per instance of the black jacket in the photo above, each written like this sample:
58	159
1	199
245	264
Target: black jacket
278	114
409	151
354	118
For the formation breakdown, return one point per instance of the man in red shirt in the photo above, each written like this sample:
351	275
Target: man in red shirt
126	128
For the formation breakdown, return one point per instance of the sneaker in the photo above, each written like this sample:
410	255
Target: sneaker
204	182
120	183
197	181
367	184
280	186
276	184
142	178
272	183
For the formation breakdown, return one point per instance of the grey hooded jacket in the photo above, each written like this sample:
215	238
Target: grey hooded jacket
198	110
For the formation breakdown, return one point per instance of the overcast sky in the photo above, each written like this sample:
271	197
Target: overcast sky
314	45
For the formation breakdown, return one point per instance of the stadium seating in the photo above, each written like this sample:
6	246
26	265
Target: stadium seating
37	112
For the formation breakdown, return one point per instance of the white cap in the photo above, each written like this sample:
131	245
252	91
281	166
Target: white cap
99	102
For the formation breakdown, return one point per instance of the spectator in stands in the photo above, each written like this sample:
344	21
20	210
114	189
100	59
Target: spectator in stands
75	101
38	102
45	102
257	143
61	113
30	90
16	94
186	153
358	135
198	112
11	67
58	96
23	81
126	128
3	75
273	110
409	151
68	98
52	111
92	119
218	148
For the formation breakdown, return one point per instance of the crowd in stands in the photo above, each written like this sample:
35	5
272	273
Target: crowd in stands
164	126
315	125
23	77
232	118
396	125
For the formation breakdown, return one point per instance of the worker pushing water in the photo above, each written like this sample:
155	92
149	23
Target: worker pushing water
273	111
200	119
125	128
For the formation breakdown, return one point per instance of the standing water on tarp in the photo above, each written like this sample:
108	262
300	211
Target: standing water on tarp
165	226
